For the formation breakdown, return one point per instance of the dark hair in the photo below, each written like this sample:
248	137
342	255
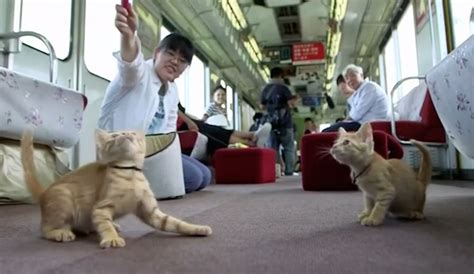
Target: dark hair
308	119
219	87
276	72
340	79
178	43
257	115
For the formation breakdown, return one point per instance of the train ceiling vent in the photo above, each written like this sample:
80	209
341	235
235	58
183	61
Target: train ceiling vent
288	21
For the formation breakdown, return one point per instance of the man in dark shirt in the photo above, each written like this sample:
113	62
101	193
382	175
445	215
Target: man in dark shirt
276	100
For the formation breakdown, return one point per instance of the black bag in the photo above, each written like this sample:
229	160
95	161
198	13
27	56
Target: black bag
329	101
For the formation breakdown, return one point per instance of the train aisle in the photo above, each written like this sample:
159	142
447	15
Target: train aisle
270	228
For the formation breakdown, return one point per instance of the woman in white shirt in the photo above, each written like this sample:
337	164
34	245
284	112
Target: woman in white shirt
143	96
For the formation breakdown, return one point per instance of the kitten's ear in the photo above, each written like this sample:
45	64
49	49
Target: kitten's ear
342	130
365	133
141	134
100	137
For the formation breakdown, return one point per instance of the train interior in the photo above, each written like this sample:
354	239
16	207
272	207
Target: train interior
420	52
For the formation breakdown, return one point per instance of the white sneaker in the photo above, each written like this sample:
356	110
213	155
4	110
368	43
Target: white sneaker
262	134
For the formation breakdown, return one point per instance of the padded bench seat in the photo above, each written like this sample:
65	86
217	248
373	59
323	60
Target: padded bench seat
320	171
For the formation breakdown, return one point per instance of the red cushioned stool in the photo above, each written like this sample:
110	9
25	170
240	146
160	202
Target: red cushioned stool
320	171
244	165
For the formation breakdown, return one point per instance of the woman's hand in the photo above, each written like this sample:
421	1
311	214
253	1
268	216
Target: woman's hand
126	21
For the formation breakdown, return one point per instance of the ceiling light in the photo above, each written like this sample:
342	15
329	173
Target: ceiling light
234	14
281	3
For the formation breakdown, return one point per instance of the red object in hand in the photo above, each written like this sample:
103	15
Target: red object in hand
126	4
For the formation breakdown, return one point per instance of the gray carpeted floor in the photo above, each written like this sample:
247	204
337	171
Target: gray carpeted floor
271	228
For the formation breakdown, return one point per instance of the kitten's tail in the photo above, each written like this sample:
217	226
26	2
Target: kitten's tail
29	169
424	174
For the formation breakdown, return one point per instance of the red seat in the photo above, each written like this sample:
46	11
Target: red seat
320	171
244	165
429	129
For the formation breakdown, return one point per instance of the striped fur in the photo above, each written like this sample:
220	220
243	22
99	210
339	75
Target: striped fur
389	186
91	197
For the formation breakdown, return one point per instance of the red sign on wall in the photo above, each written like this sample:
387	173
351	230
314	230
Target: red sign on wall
308	53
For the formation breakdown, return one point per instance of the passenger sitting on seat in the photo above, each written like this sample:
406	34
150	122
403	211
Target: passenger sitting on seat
346	92
144	96
369	101
216	107
309	126
257	121
219	137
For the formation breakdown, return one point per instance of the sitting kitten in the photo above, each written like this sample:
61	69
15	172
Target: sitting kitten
91	197
388	185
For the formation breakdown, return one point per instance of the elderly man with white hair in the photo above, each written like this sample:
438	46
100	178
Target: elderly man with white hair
368	103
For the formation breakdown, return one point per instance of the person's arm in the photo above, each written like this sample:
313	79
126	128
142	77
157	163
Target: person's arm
191	125
207	114
365	102
131	64
126	22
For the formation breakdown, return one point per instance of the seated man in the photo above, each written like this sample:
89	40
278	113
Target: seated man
368	102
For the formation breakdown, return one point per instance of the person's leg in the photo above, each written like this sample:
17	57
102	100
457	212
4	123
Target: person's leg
348	126
274	143
288	143
204	170
236	139
193	177
257	138
243	134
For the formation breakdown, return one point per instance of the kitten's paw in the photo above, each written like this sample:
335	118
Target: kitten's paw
60	235
371	221
364	214
116	226
416	215
112	242
203	230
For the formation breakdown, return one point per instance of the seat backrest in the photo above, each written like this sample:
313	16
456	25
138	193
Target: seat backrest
428	113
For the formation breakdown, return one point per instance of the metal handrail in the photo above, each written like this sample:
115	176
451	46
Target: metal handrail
392	118
53	60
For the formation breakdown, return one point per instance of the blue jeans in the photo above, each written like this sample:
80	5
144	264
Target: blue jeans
196	175
287	140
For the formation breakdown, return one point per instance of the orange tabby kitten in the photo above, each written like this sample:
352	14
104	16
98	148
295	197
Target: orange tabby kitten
91	197
388	185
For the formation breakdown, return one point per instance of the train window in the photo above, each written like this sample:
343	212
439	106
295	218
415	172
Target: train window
53	20
223	83
196	88
164	32
389	61
400	56
407	53
247	115
101	38
463	19
230	105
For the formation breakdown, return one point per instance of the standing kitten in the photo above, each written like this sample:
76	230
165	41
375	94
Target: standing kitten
388	185
91	197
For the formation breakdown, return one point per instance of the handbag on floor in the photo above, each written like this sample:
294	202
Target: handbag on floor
50	165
